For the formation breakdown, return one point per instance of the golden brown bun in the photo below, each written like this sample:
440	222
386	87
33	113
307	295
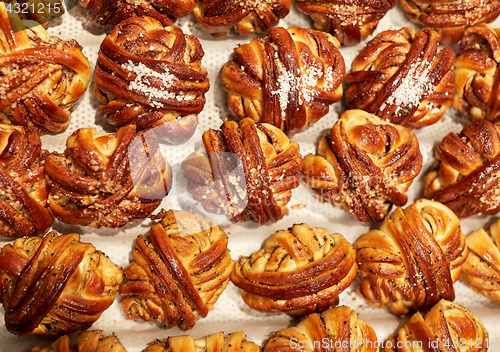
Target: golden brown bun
298	271
402	77
88	341
151	76
42	76
364	165
55	285
267	168
179	271
287	79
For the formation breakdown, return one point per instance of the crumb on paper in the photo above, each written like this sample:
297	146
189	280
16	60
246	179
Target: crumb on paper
298	206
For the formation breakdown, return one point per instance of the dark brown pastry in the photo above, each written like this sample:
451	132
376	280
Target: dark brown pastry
336	329
235	342
364	165
450	18
477	81
107	179
151	76
179	271
41	78
402	77
288	79
465	176
23	189
241	16
349	21
88	341
481	270
413	260
41	11
299	271
55	285
245	171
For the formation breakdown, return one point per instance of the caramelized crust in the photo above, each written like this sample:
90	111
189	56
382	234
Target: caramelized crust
477	81
88	341
349	21
247	171
108	179
151	76
450	18
465	175
298	271
443	328
481	271
336	328
55	285
235	342
241	16
42	77
365	165
413	260
287	79
179	271
23	189
402	77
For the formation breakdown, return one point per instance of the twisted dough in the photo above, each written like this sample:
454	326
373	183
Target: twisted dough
364	165
349	21
337	329
241	16
299	271
88	341
235	342
444	328
477	79
248	173
109	179
482	269
112	12
151	76
23	189
55	285
450	18
413	260
465	175
179	271
288	79
42	77
402	77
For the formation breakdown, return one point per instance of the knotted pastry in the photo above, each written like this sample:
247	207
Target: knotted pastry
55	285
298	271
179	271
337	329
245	171
151	76
465	175
481	271
349	21
364	165
288	79
241	16
235	342
23	189
413	260
42	77
477	79
444	328
112	12
41	11
107	179
402	77
450	18
88	341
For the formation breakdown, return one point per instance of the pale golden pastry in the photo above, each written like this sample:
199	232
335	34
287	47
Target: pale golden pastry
55	285
179	270
413	260
41	11
88	341
298	271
